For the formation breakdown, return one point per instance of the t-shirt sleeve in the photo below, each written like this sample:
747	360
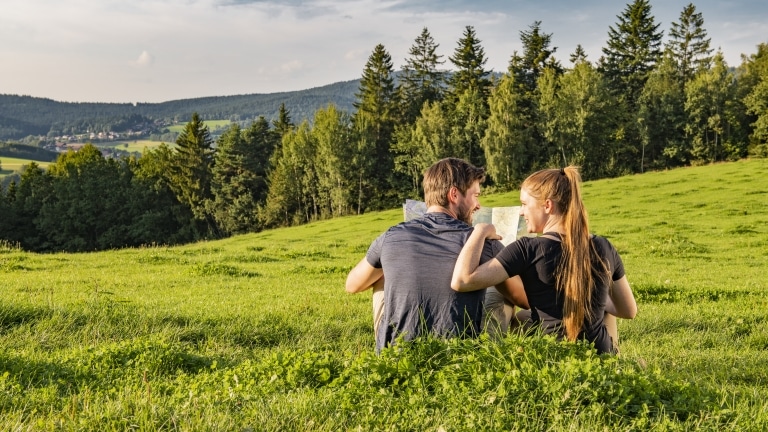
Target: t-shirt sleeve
611	256
514	257
618	264
373	256
490	250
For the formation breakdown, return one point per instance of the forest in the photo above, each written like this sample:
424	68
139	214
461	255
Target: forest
648	103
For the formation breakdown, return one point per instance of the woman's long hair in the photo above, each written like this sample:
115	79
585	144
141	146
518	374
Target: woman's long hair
574	275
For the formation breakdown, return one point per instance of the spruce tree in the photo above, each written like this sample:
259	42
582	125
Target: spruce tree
537	55
689	44
235	185
421	80
632	52
526	69
469	60
579	55
375	119
190	170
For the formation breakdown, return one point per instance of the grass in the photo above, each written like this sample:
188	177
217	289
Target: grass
134	146
213	125
255	332
10	166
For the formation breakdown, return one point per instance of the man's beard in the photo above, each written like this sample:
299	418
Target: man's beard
465	215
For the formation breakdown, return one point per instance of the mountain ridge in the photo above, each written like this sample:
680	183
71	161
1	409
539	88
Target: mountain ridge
22	116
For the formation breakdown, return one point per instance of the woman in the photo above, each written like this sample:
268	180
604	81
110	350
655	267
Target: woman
572	279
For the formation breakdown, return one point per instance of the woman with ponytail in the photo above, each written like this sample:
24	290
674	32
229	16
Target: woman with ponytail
571	278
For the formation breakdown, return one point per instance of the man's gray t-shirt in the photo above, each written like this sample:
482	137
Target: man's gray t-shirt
418	257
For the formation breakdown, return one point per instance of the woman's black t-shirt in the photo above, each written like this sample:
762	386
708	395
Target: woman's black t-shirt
536	259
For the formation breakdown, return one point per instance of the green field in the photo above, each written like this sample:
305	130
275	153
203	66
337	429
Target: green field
213	125
134	146
255	332
14	165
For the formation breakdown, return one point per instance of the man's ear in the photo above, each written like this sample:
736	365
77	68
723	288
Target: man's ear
453	195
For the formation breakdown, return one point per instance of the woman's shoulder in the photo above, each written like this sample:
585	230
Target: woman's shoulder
602	243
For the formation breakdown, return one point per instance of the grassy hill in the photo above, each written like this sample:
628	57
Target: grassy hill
255	332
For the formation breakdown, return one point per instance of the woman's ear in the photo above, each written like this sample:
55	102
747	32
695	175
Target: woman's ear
548	206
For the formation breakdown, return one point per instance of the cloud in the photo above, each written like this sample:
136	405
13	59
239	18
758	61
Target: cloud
145	60
354	54
291	66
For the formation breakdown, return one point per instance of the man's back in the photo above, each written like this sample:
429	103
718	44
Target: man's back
418	258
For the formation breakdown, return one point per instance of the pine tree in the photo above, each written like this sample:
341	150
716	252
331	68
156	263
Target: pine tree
190	169
375	119
537	56
235	185
282	124
579	55
689	44
469	60
526	70
421	80
632	52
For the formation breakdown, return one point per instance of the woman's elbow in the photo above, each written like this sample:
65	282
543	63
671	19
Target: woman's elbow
632	312
458	284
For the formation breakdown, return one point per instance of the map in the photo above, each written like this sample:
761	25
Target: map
507	220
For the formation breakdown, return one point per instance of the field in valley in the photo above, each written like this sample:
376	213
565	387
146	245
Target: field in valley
255	332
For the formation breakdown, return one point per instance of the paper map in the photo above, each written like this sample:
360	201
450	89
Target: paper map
507	220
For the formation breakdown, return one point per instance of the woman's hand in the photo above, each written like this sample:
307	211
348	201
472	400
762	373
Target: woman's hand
488	231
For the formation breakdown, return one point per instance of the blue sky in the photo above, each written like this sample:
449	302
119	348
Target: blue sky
160	50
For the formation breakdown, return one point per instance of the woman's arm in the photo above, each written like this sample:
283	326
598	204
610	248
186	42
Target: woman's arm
621	301
467	276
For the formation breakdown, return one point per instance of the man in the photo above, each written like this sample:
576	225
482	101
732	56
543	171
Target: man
415	259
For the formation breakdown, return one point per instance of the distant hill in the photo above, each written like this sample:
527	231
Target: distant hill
21	116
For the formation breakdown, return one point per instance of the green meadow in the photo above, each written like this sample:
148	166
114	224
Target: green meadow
255	332
10	166
133	146
213	125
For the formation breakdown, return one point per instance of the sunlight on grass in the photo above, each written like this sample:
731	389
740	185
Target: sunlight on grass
255	332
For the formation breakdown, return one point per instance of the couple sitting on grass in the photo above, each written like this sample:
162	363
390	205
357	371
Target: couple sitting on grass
437	274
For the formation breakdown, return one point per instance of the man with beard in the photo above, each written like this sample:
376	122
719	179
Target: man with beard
415	259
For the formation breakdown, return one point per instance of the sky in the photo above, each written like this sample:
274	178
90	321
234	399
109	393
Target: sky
161	50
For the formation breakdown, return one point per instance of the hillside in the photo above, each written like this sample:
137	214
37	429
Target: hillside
22	116
255	332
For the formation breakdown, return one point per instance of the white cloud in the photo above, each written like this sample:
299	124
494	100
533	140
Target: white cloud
291	66
355	54
145	59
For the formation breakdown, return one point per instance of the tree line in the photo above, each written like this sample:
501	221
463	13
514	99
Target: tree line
643	105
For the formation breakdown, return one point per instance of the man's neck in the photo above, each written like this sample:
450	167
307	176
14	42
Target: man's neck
441	209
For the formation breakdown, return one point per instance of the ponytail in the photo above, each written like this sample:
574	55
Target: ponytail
573	277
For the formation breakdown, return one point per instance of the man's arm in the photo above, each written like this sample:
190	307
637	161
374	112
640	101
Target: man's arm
512	289
362	277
